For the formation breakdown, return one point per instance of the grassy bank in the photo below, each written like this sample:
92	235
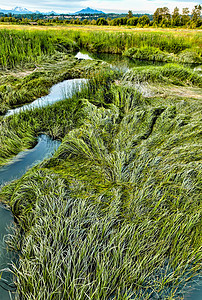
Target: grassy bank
115	214
155	54
19	131
168	74
29	47
110	40
18	87
117	42
44	54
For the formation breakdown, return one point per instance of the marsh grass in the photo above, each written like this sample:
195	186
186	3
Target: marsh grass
155	54
16	91
117	42
115	214
169	74
19	131
21	47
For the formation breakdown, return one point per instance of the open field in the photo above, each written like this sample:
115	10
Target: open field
116	212
99	28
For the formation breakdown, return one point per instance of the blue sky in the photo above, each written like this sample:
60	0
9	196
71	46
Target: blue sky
104	5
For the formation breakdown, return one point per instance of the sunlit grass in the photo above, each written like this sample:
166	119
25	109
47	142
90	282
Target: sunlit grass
115	214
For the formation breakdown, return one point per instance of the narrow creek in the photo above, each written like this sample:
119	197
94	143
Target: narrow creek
44	149
14	170
21	163
58	92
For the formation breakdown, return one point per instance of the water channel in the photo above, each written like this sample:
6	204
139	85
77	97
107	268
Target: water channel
14	170
58	92
44	149
20	164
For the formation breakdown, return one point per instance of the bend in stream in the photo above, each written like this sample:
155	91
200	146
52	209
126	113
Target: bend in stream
58	92
45	148
14	170
116	61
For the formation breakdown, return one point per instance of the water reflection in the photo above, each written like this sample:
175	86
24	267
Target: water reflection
14	170
58	92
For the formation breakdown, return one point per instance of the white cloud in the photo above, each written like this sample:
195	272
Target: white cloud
105	5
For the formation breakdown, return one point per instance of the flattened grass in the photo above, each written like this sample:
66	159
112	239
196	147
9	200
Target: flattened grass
115	214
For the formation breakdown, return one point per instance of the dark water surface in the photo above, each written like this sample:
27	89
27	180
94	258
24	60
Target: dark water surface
45	148
14	170
117	61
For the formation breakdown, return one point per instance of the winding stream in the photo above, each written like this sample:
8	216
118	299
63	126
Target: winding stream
117	61
21	163
58	92
45	148
14	170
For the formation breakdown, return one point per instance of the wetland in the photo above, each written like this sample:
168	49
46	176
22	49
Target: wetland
100	164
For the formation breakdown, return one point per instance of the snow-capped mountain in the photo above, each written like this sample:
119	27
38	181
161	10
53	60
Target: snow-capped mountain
21	10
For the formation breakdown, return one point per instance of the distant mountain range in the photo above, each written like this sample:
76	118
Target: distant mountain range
89	10
21	10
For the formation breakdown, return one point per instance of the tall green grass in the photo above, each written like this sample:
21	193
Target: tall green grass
18	131
21	47
117	42
168	74
115	214
15	90
155	54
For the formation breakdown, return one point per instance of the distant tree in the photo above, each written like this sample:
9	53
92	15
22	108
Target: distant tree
130	14
176	20
185	18
162	16
77	21
25	21
119	21
132	21
144	20
166	13
101	21
93	22
124	20
196	15
157	17
85	22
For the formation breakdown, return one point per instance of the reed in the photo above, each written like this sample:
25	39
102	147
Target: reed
117	42
115	214
169	74
155	54
22	47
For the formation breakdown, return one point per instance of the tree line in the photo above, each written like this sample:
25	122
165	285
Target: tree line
161	18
